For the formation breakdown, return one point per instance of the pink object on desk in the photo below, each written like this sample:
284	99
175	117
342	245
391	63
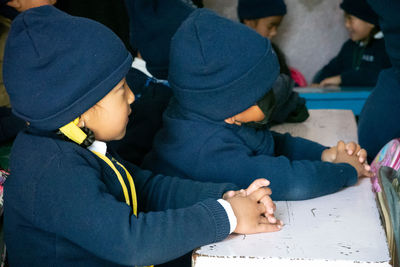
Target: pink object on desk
298	77
388	156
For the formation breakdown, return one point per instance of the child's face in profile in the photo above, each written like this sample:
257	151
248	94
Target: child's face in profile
22	5
252	114
266	27
109	117
359	29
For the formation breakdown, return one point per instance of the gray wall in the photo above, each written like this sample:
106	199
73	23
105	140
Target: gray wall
311	33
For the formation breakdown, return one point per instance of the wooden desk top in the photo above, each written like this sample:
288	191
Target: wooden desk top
341	229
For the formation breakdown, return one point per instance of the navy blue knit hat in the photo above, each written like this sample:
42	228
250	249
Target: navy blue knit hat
57	66
360	9
152	25
256	9
219	68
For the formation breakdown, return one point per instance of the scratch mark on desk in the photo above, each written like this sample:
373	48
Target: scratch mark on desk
312	211
288	212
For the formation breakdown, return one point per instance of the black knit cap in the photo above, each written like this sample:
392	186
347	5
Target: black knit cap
360	9
256	9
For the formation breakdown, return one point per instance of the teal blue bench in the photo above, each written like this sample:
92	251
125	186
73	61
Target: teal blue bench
335	97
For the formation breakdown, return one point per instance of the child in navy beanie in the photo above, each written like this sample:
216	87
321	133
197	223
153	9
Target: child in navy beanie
363	56
69	201
379	119
205	135
265	16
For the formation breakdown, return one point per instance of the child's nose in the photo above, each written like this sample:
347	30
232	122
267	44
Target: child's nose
130	96
272	33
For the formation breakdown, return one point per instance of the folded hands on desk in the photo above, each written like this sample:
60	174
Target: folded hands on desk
254	209
350	153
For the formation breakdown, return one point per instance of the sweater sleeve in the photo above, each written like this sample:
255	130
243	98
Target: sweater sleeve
333	68
290	179
96	221
160	192
297	148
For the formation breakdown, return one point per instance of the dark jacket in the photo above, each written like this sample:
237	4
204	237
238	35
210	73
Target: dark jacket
191	146
357	65
64	207
379	120
151	99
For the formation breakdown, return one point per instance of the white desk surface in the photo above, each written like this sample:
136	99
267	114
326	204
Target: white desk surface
341	229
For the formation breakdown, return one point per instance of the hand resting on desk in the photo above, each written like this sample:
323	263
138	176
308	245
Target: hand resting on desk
350	153
254	209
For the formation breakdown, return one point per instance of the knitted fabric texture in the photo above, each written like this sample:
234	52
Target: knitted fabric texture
57	66
205	74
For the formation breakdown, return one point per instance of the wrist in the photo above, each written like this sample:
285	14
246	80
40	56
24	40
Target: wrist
230	213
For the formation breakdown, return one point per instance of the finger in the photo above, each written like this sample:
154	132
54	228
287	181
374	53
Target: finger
341	146
367	167
366	173
351	147
268	227
362	155
228	194
261	182
269	204
271	219
261	208
259	193
263	219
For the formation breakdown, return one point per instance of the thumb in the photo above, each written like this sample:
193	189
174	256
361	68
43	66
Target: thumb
256	184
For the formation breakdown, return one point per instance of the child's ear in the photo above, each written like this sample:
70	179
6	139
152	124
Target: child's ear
252	23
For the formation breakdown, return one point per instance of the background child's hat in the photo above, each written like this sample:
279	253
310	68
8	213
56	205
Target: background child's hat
256	9
219	68
152	25
360	9
57	66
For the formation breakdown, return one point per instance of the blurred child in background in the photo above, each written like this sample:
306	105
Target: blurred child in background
363	56
265	16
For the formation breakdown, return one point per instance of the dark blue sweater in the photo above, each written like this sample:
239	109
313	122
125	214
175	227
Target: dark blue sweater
194	147
379	120
357	66
64	207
